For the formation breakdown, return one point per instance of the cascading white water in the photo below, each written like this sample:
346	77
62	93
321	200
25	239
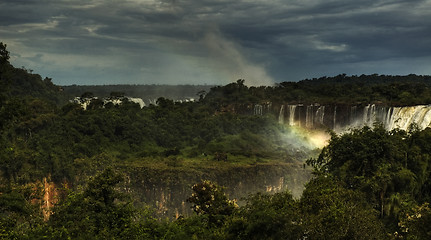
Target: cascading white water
393	117
372	115
292	109
281	115
309	117
352	116
403	117
320	114
153	102
258	109
343	118
369	115
397	117
388	117
138	101
85	102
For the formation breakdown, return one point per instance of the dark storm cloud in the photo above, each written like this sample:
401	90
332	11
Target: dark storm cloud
180	41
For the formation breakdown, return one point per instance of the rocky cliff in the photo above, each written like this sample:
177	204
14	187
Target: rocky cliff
166	190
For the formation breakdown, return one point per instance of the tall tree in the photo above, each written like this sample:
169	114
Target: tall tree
209	199
98	212
331	211
4	54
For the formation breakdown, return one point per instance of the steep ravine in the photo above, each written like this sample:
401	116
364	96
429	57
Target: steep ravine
166	190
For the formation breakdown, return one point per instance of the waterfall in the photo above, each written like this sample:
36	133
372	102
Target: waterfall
309	117
369	116
281	115
258	109
365	115
394	117
137	100
292	109
356	116
372	115
85	102
387	122
381	114
403	117
424	117
153	102
320	114
352	116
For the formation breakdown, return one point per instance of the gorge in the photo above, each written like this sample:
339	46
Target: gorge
272	178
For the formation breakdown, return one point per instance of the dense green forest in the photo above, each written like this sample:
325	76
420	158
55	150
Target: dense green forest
341	89
368	183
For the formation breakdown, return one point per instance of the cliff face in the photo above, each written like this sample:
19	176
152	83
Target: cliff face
167	189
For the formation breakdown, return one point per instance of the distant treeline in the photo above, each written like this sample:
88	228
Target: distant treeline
341	89
338	90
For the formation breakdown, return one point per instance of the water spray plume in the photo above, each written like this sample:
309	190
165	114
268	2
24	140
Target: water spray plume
310	139
229	59
318	138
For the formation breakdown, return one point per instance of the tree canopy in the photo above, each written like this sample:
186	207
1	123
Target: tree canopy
368	184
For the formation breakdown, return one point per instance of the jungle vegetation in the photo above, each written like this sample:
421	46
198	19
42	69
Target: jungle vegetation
368	183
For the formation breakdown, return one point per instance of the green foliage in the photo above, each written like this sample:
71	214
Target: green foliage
267	216
18	217
416	223
210	200
331	211
56	138
100	211
341	89
4	54
390	168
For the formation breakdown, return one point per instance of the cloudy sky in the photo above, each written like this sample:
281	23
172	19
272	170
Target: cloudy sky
215	41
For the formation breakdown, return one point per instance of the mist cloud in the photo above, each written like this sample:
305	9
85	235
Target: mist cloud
229	60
